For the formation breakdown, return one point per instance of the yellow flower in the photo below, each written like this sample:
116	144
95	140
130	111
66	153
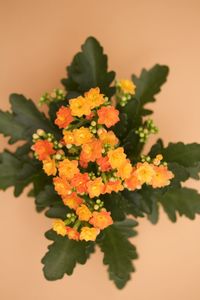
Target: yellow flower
125	170
59	227
145	172
117	157
95	187
49	166
83	212
108	137
68	168
79	107
94	98
68	137
89	233
127	86
82	136
162	177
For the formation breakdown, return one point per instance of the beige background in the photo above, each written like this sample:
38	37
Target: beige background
38	39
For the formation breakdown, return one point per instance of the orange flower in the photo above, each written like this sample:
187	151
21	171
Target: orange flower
132	183
162	177
117	157
145	172
61	186
68	168
59	227
113	186
83	212
72	200
64	117
68	137
108	137
91	151
83	163
94	98
89	233
124	170
79	107
108	116
49	166
127	86
101	219
72	233
79	181
104	164
43	149
95	187
82	136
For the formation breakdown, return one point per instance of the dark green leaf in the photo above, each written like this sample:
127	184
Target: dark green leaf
57	210
194	171
10	127
47	197
137	204
184	154
149	83
63	255
120	128
183	201
89	69
27	115
15	172
180	174
126	227
116	204
118	253
157	148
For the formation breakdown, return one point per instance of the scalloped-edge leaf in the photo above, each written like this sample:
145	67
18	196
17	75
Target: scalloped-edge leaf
182	201
119	253
89	69
63	255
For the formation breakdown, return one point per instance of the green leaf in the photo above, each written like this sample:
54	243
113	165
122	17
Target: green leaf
89	69
26	114
10	127
116	204
118	252
181	174
120	128
137	205
184	201
57	210
127	227
15	172
47	197
63	255
149	82
194	171
184	154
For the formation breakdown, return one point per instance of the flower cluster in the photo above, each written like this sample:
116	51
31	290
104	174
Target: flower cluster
89	162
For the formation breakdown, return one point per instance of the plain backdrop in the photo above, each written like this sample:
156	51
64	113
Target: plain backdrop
38	40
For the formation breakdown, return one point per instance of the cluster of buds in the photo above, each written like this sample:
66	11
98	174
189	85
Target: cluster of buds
146	130
91	163
54	96
125	89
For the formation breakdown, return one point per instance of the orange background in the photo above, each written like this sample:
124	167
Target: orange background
38	39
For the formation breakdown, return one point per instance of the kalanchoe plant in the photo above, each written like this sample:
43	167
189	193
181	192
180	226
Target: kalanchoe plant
86	165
